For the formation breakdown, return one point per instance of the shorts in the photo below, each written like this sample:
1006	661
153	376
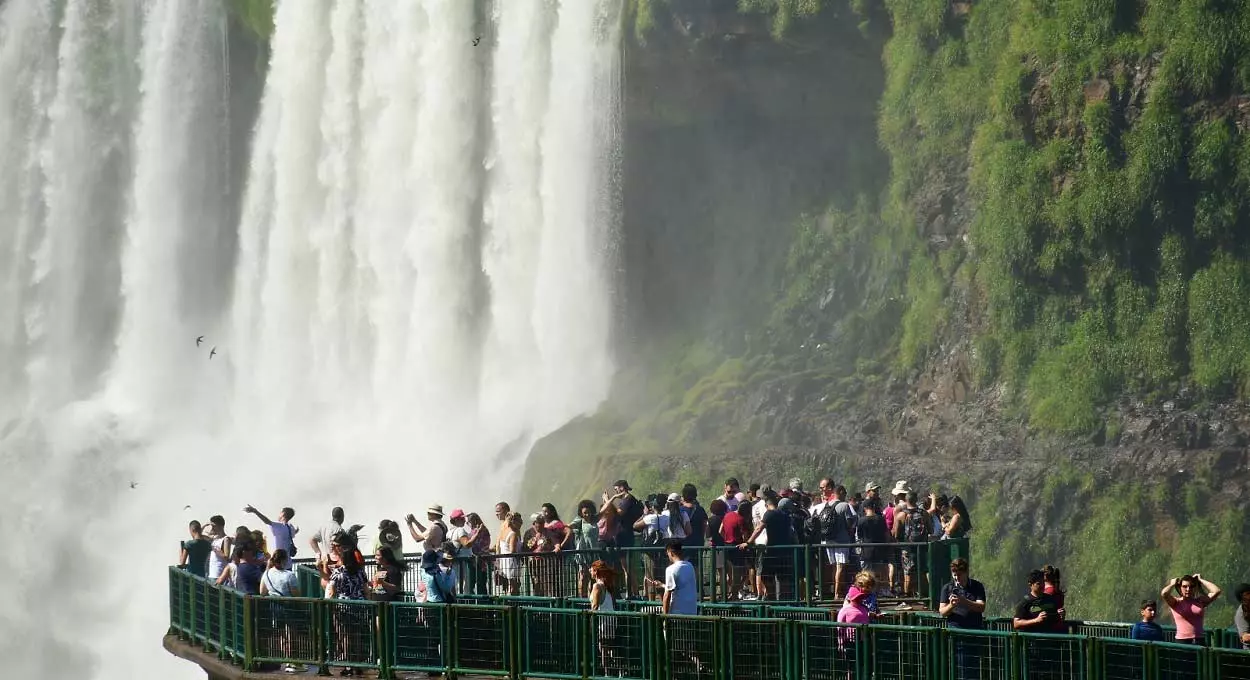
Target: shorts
838	555
773	564
909	563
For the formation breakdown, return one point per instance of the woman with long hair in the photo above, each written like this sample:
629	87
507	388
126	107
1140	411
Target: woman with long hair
347	582
585	532
278	581
959	523
603	599
388	579
508	568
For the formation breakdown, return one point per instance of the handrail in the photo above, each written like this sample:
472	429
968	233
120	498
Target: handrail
521	638
797	573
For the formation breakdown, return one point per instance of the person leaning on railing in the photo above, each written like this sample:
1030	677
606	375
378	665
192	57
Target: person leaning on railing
962	602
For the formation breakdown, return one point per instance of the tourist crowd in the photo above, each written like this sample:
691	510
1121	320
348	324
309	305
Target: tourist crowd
867	546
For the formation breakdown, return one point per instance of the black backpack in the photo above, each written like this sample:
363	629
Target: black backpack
829	521
916	527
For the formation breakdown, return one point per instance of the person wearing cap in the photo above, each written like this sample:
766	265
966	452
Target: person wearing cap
796	485
432	538
458	535
1241	617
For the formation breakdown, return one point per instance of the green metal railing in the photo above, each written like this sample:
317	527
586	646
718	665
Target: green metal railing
525	637
795	574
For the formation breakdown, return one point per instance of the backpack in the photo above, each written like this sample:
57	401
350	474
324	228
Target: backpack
916	529
830	523
653	537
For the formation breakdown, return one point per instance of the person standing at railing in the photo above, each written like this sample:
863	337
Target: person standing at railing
508	568
584	530
431	539
458	535
696	516
735	529
772	559
874	553
479	548
1241	617
681	589
1146	629
1039	612
243	572
962	602
1053	586
436	577
1189	610
320	541
715	520
959	523
835	520
389	536
730	497
388	580
219	556
502	512
283	531
912	525
194	553
279	581
603	600
347	582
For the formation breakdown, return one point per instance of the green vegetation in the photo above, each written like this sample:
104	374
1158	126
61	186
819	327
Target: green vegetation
1116	545
1109	185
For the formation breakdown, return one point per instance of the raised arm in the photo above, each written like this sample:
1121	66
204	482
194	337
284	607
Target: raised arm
1213	591
259	515
1167	591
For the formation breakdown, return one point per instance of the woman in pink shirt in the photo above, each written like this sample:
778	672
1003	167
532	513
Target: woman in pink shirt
1190	608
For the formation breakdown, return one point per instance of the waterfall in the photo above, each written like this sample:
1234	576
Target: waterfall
419	278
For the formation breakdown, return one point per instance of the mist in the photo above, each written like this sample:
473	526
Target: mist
400	279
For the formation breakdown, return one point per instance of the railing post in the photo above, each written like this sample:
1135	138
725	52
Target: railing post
382	641
321	627
249	634
220	594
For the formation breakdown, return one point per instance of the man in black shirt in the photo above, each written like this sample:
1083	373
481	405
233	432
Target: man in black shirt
963	605
1039	612
772	562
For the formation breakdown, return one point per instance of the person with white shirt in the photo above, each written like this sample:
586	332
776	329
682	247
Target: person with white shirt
681	589
320	541
283	531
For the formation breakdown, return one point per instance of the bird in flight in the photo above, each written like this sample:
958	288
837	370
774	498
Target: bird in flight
210	354
134	485
477	40
199	340
186	507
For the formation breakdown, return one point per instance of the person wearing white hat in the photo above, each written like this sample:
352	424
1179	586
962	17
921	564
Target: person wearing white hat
431	538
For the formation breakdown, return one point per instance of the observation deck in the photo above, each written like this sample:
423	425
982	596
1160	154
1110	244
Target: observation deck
554	635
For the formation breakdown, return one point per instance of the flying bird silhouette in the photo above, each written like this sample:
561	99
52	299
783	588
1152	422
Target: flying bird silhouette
210	354
186	507
477	40
134	485
199	340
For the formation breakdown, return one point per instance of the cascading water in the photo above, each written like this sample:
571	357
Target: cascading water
419	280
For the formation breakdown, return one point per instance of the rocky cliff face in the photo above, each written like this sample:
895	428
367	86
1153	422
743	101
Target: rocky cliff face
989	266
